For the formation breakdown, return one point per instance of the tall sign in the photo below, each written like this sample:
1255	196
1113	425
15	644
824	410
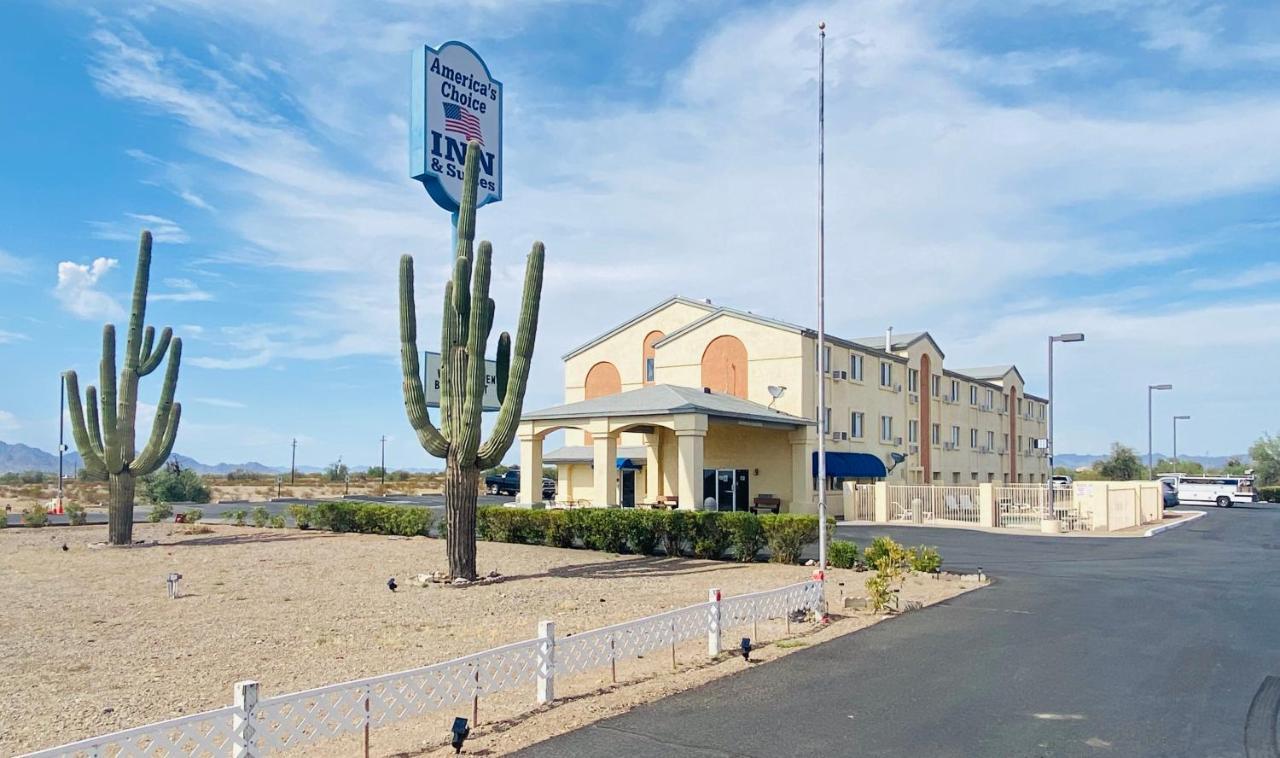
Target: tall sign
431	382
454	100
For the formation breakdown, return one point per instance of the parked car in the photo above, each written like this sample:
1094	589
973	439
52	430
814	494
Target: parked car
1170	493
1060	481
508	483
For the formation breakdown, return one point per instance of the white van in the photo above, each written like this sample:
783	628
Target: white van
1222	491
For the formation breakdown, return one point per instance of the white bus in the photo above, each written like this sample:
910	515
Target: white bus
1222	491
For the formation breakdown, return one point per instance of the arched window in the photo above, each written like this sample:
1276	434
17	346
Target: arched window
647	369
602	380
724	366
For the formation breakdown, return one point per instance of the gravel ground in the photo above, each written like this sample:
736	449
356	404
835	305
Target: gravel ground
89	642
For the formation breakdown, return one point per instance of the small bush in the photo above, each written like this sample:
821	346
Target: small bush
787	534
559	532
518	525
746	535
925	559
880	592
710	539
842	554
372	518
884	551
276	522
604	530
192	515
1269	494
301	515
75	514
643	532
173	484
676	529
35	515
160	512
237	516
260	515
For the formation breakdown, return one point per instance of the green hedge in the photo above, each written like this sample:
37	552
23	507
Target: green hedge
701	534
1269	494
371	518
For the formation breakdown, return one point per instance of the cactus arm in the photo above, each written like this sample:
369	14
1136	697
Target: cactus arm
467	208
92	459
148	339
153	457
448	337
138	310
503	364
91	418
415	401
151	358
127	427
107	381
473	381
504	428
147	461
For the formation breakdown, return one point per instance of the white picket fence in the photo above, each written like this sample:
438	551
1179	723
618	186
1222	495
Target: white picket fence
934	503
254	727
1022	506
860	503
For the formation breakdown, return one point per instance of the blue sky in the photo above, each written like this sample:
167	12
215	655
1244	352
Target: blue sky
996	172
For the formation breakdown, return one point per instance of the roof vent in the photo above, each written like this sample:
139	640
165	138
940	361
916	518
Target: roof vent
706	390
706	300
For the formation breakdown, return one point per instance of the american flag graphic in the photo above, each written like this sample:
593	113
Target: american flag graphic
459	120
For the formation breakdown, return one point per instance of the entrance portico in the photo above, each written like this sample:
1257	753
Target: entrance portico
667	443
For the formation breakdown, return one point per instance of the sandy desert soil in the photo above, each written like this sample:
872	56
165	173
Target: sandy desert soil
89	642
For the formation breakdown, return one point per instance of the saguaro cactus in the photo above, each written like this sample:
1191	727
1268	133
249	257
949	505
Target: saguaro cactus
108	444
465	326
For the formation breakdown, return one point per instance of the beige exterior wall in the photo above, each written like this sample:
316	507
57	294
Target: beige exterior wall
783	356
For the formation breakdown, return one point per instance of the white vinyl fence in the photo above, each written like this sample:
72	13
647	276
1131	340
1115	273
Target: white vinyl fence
932	502
860	503
253	727
1022	506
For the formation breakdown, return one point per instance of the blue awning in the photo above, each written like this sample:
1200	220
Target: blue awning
627	463
861	465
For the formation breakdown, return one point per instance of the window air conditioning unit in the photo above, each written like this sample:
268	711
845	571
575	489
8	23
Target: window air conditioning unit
844	374
897	440
897	388
1001	451
914	449
984	450
914	398
844	435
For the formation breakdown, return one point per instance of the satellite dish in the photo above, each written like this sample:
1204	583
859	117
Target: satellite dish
894	460
776	391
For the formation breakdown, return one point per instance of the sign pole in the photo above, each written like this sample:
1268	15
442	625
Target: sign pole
822	338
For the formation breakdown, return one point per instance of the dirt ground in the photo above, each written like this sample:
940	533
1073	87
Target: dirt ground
89	642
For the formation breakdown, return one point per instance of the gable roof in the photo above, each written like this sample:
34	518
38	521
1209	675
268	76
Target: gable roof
703	304
901	341
663	399
991	373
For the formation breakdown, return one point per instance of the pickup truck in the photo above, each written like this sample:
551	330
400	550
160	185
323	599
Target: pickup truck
508	483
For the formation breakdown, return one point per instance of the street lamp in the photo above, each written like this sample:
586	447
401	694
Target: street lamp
384	460
1151	465
293	462
1176	419
1068	337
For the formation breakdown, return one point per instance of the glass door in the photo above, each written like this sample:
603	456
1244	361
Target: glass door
725	489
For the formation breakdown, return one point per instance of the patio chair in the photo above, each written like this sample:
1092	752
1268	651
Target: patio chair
953	507
901	513
967	504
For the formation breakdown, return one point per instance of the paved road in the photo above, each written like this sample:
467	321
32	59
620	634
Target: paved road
1082	647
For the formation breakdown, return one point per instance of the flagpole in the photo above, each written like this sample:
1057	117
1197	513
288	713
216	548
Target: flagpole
822	338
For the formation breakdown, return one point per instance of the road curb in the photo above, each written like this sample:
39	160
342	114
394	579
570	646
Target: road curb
1191	516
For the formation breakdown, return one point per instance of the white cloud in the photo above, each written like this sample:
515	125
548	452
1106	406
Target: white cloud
7	337
9	422
77	289
1267	273
11	264
172	177
185	291
162	229
218	402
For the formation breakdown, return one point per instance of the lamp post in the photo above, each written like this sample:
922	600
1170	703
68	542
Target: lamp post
1176	419
1151	464
293	462
384	460
1068	337
822	339
62	446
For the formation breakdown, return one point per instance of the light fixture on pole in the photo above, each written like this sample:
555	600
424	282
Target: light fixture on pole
384	460
822	339
293	462
1068	337
1176	419
62	446
1151	464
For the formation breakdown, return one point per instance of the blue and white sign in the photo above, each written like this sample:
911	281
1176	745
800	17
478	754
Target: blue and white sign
455	99
431	382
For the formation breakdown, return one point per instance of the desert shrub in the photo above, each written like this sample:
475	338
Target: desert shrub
880	592
174	484
276	522
244	475
35	515
925	559
643	532
519	525
1269	494
889	560
842	554
604	529
884	551
710	539
301	515
237	516
746	535
559	532
676	529
160	512
192	515
372	518
787	534
75	514
260	515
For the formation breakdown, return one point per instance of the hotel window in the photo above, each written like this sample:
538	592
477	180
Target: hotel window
973	438
1041	410
935	386
991	399
913	431
973	395
913	380
855	367
648	369
1006	442
1005	400
955	477
935	434
886	374
826	359
1019	406
973	476
1019	441
855	425
991	440
955	391
886	428
955	436
826	419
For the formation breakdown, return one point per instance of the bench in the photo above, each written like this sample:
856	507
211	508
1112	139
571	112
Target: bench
766	504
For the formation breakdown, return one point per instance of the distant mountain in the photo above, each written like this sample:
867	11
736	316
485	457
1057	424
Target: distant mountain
1075	460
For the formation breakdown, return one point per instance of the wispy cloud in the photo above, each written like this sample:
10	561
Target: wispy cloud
7	337
77	289
12	264
9	422
1267	273
173	177
184	291
218	402
162	229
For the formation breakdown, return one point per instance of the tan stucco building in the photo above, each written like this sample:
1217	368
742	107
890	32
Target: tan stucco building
742	389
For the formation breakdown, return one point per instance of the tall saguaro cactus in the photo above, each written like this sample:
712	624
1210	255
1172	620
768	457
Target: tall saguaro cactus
108	443
465	327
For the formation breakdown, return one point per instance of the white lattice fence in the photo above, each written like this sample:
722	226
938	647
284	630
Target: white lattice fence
287	722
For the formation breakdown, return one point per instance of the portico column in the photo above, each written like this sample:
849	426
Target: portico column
689	468
605	475
801	474
652	468
530	469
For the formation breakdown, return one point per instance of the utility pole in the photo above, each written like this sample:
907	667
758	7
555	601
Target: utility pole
293	463
1151	461
1176	419
384	460
1071	337
62	447
822	339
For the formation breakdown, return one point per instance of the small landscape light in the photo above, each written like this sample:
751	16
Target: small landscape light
172	580
746	649
460	732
